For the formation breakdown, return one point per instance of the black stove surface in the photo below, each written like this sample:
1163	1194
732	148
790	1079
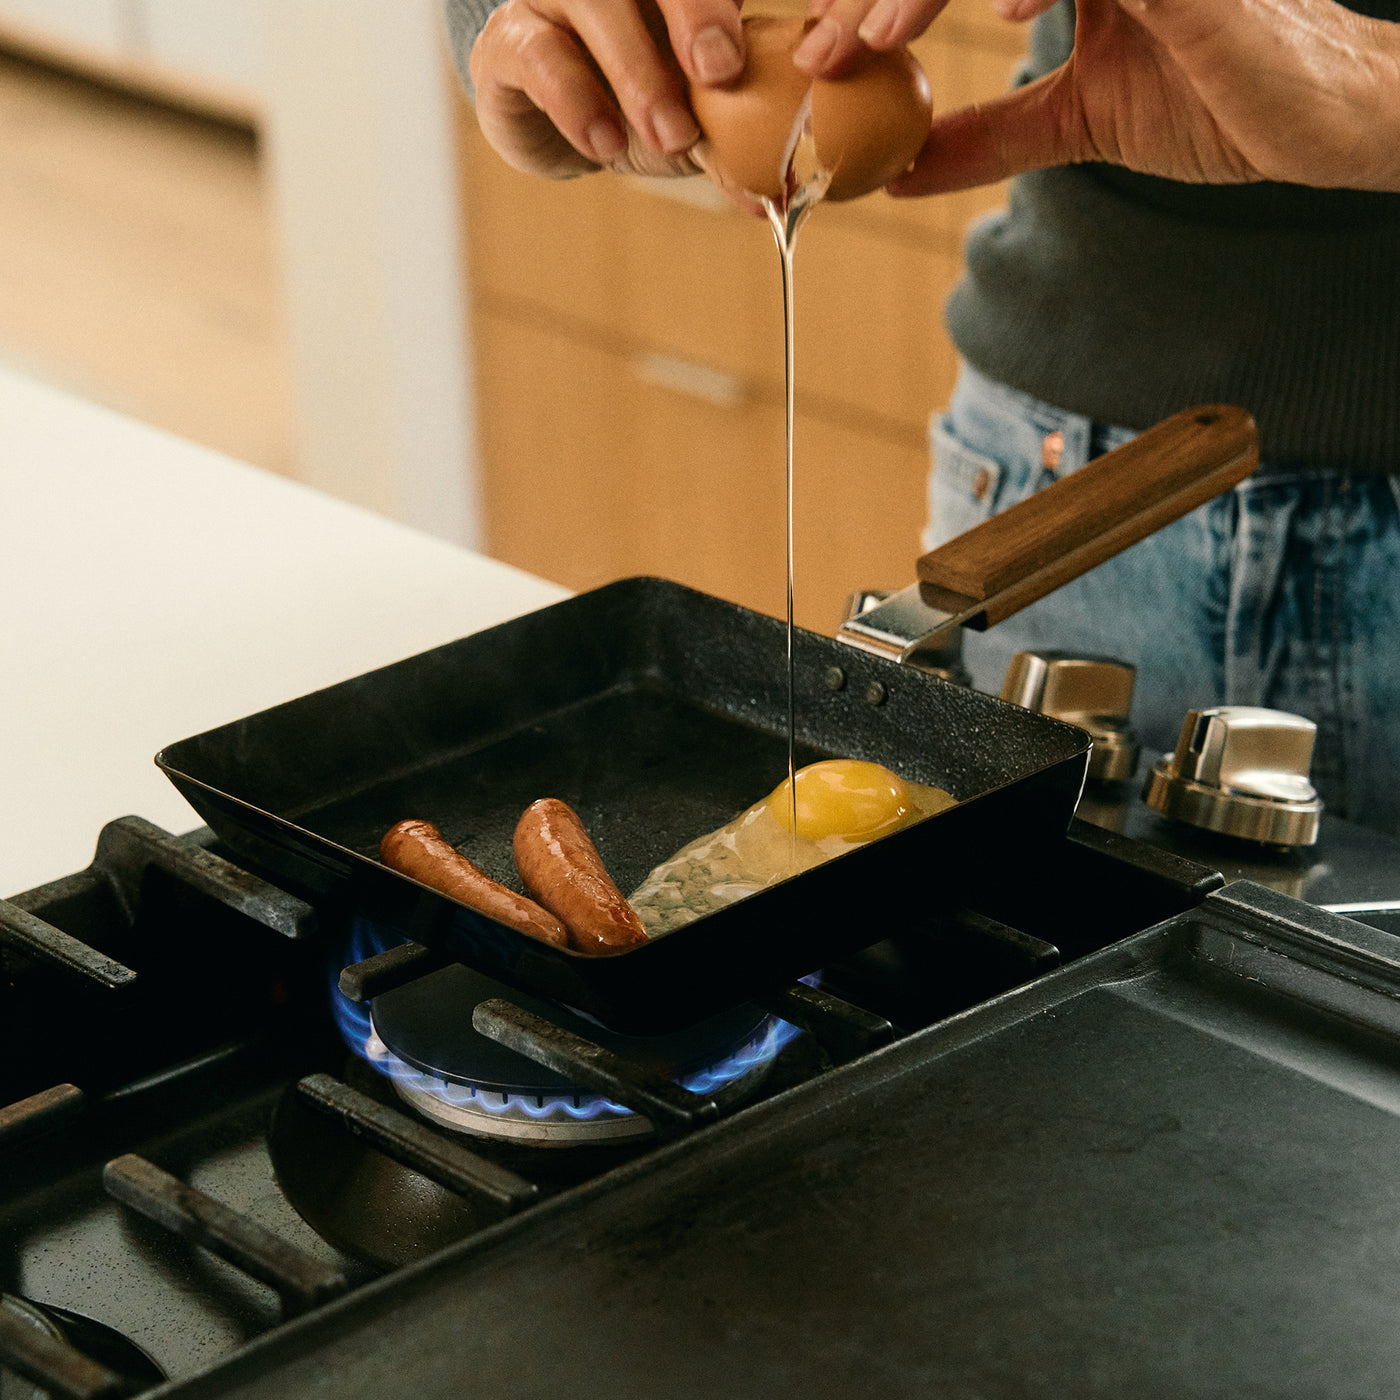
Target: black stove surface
177	1074
1351	869
1166	1170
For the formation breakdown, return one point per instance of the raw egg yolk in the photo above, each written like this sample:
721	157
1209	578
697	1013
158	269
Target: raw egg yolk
844	797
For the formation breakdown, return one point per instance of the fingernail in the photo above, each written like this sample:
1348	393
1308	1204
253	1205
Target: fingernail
876	26
606	141
675	128
816	48
715	55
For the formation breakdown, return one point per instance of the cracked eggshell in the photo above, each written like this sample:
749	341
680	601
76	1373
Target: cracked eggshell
870	123
748	123
867	125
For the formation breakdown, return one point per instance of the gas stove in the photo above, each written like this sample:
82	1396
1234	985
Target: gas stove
252	1147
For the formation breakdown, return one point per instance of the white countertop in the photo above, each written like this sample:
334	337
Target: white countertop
151	588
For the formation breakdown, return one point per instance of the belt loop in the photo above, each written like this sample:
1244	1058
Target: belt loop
1075	432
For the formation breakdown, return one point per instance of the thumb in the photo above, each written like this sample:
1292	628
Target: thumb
1027	128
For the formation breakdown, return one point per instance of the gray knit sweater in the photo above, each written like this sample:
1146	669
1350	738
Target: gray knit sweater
1126	298
465	20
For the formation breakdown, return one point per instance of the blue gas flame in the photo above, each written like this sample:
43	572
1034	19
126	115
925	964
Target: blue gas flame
353	1019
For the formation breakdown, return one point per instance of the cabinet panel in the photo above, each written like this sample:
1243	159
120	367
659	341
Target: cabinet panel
596	471
205	55
706	285
869	322
700	281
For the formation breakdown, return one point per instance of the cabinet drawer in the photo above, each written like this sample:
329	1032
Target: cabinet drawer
699	281
705	285
599	465
869	322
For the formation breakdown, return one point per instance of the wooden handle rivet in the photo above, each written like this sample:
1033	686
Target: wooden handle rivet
875	693
835	678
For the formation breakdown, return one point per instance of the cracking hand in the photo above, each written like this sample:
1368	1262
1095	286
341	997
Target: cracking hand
567	86
1208	91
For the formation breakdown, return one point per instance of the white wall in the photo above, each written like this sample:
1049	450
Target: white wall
359	139
218	43
353	98
219	39
105	24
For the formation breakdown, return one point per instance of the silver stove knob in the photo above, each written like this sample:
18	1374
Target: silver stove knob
1094	692
1241	771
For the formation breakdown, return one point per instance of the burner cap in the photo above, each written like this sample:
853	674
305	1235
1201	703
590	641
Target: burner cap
428	1024
468	1082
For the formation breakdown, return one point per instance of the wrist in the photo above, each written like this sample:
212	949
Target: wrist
1375	106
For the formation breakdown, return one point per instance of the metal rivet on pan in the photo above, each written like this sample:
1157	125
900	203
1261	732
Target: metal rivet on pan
835	678
875	693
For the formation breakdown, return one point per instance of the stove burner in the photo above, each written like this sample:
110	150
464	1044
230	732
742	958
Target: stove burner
95	1340
562	1119
546	1119
421	1037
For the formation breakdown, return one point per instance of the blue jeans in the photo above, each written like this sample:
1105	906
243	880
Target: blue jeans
1284	592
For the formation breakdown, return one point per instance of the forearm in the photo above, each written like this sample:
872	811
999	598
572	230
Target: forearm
1308	89
1379	104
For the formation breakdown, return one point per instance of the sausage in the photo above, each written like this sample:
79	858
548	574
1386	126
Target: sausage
417	849
562	869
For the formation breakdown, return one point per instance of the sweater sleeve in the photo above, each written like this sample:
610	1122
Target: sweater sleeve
465	20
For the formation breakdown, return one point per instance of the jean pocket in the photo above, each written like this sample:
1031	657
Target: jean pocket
963	487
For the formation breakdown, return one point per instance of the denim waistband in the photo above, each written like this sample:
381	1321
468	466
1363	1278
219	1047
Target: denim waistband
1084	439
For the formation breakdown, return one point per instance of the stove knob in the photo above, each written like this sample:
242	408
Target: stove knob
1243	772
1094	692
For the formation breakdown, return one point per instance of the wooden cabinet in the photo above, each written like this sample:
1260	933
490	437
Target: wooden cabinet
614	460
204	54
629	345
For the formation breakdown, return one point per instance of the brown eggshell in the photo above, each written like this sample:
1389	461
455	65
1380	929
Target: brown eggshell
868	124
748	124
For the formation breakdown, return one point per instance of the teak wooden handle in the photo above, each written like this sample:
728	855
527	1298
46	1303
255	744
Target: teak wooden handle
1019	556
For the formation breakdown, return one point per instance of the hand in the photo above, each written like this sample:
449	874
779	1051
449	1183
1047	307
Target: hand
1210	91
567	86
843	27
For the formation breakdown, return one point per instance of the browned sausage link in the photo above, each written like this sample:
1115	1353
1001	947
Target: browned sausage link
417	849
563	870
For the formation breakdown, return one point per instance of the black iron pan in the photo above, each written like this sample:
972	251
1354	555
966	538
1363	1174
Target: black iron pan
658	713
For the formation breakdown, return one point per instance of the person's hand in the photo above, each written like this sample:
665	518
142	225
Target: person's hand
841	28
1209	91
566	86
